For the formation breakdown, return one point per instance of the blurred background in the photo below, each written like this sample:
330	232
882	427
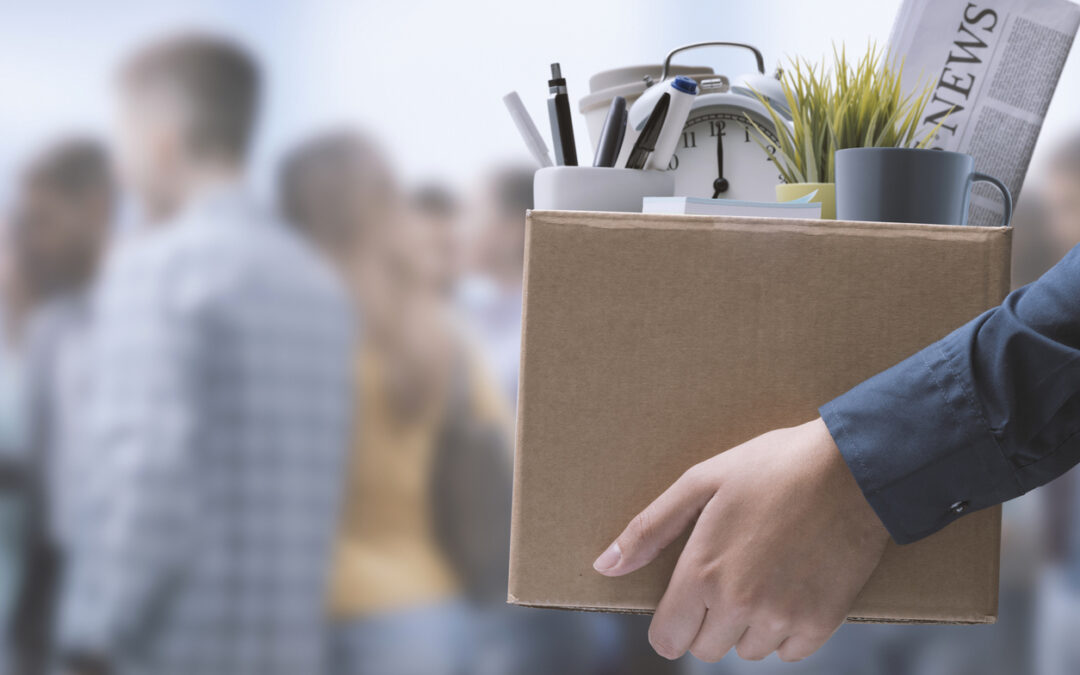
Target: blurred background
414	89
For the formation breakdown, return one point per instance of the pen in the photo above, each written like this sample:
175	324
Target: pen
622	135
646	142
529	133
562	125
612	134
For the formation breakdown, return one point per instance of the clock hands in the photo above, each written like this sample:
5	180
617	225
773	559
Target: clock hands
720	185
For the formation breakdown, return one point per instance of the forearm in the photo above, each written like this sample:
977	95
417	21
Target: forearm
980	417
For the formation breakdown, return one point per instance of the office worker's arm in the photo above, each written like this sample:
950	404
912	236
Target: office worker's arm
789	526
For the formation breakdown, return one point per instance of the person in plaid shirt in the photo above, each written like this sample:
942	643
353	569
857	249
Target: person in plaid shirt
219	414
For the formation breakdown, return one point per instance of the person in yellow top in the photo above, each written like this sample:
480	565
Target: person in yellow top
426	514
387	556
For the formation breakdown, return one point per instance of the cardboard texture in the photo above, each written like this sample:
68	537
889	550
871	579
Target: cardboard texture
652	342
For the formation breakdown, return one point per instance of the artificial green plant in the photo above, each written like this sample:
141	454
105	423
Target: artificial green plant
856	105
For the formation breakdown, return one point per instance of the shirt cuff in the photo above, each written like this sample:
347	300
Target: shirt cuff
916	440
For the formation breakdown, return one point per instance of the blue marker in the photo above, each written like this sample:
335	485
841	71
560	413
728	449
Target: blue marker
683	90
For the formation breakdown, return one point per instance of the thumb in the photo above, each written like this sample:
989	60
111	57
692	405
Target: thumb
658	525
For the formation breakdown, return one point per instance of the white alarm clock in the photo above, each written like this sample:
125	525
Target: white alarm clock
719	153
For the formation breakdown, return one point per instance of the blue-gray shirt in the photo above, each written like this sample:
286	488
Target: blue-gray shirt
977	418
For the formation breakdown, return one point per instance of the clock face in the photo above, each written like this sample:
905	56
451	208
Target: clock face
719	156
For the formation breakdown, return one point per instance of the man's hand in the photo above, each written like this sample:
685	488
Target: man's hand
783	543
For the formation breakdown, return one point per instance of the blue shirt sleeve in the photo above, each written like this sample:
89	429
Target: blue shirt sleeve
983	415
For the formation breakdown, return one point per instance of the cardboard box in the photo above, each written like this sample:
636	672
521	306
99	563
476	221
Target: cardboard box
652	342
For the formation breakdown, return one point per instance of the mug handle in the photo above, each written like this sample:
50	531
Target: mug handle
1005	194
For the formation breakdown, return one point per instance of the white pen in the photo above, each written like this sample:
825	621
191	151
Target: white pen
529	133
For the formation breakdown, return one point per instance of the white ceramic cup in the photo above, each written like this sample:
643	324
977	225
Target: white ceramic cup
589	188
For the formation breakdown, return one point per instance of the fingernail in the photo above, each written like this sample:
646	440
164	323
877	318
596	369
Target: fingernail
608	559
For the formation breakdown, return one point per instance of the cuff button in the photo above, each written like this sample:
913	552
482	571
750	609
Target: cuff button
959	507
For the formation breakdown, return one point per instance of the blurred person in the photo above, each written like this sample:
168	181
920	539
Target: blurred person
13	305
427	506
490	296
438	211
14	310
1033	249
63	215
219	406
1062	196
14	297
1057	651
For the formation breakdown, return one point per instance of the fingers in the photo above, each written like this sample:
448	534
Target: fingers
799	646
758	642
719	633
657	526
677	620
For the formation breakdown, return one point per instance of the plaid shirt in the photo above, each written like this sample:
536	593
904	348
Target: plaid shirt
217	436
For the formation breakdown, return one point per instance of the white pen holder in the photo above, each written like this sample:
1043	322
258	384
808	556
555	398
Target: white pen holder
589	188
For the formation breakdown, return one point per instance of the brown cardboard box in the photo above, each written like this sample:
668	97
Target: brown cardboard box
652	342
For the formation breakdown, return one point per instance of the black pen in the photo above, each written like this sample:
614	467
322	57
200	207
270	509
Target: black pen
562	124
607	150
622	135
646	142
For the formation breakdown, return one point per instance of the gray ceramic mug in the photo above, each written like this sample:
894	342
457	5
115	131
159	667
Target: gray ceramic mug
908	185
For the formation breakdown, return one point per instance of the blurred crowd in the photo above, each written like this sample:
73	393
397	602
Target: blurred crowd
239	437
262	438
